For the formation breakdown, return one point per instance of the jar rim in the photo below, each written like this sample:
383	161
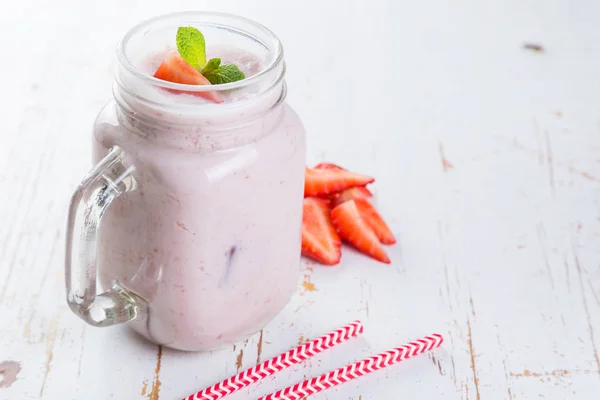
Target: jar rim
190	16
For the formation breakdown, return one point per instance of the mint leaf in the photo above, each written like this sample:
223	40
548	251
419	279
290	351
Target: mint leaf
218	74
212	65
191	46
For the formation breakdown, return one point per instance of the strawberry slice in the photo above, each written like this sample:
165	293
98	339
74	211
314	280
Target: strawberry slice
353	228
320	240
325	165
175	69
319	182
358	192
375	221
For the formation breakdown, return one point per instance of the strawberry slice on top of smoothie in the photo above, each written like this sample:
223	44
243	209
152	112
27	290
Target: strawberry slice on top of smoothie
188	66
175	69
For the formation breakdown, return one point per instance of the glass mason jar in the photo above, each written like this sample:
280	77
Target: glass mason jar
189	225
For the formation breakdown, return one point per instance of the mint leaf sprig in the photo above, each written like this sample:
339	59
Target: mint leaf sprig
192	48
217	73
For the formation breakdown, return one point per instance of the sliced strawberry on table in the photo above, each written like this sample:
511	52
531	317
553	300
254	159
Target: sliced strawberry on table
320	182
325	165
372	217
175	69
352	227
320	240
358	192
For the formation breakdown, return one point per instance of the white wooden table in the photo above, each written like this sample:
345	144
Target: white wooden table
487	159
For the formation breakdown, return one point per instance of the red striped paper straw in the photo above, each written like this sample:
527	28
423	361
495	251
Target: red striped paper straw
276	364
357	369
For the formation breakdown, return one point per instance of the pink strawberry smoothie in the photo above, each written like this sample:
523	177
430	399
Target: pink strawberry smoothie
209	236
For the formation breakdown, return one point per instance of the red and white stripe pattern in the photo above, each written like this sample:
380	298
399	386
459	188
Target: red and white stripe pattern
357	369
276	364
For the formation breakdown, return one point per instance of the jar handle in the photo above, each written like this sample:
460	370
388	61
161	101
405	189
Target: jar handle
107	180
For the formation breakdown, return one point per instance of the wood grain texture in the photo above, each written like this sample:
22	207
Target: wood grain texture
487	158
